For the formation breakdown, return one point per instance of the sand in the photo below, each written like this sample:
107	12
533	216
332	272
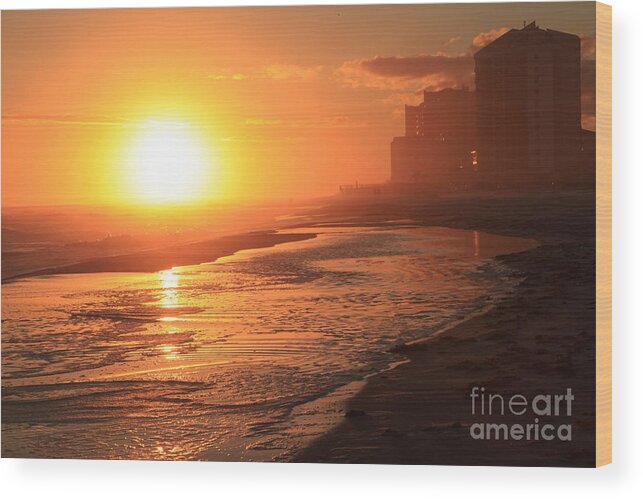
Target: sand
539	340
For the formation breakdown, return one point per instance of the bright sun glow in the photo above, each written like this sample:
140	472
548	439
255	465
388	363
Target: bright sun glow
167	162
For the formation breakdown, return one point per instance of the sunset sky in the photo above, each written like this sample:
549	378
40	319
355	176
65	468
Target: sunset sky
257	103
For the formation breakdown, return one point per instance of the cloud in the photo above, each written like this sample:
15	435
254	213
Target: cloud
398	99
280	72
451	41
408	74
53	120
486	37
243	139
59	119
290	72
416	67
330	121
435	71
339	121
227	75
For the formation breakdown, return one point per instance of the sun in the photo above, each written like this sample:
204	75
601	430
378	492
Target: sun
167	162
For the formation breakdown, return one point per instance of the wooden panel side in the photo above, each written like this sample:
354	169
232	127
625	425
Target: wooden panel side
603	234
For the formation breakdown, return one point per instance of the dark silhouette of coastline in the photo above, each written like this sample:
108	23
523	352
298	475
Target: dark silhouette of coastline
171	256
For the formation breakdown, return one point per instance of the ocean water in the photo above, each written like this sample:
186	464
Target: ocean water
246	358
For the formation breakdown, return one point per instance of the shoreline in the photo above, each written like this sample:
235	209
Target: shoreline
335	405
321	414
172	256
533	341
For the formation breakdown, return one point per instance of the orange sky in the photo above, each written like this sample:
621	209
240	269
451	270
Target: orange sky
291	101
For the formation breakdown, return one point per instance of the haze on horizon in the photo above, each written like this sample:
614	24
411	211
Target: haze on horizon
234	103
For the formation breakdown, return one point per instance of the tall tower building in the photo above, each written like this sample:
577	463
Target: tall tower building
528	102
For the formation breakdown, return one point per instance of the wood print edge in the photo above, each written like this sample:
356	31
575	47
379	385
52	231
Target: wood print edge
603	234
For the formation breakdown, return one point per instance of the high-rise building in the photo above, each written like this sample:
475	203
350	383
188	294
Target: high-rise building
528	106
438	140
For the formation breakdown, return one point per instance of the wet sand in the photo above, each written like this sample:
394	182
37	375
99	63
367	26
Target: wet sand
166	257
538	340
249	357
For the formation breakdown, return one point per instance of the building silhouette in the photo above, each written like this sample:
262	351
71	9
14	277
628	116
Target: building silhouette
521	127
438	140
528	114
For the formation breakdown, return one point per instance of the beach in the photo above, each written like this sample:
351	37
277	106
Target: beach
539	340
327	234
352	331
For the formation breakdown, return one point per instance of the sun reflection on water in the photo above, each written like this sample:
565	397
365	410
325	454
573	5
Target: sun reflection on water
169	281
169	352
